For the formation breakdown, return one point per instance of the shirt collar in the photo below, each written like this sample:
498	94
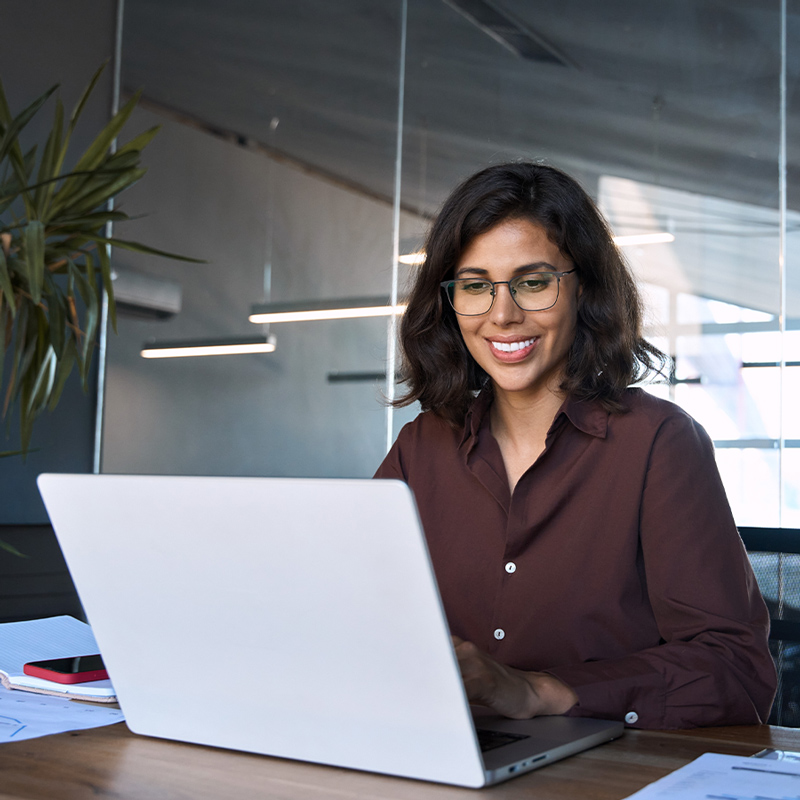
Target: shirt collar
475	417
587	416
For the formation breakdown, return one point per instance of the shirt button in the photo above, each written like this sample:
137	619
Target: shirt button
499	633
511	567
631	717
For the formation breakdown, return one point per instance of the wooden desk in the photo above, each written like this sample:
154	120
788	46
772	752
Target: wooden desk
111	762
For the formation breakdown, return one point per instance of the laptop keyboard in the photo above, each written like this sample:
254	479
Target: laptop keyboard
490	740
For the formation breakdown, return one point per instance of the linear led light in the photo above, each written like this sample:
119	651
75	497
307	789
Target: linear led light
414	259
643	238
345	308
215	347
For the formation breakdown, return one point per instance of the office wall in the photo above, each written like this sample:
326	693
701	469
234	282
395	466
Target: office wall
250	217
44	43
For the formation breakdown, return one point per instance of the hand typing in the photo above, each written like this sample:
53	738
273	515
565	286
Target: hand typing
508	691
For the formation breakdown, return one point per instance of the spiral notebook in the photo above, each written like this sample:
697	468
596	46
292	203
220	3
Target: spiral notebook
52	637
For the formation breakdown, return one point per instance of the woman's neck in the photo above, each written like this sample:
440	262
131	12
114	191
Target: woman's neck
520	426
518	412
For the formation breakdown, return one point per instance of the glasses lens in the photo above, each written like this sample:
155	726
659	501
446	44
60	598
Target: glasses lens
535	291
469	296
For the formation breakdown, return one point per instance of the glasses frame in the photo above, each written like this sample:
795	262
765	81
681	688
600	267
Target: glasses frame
445	285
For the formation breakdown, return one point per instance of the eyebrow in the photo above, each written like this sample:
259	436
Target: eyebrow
539	266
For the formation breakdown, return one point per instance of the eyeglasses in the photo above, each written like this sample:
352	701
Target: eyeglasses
533	291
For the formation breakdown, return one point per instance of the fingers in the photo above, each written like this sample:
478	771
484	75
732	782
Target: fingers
508	691
491	684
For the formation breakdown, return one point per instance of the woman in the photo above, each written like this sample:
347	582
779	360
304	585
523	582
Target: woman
585	551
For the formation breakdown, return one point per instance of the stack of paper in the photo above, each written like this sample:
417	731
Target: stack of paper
728	778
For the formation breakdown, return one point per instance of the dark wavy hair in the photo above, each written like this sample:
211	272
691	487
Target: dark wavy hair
608	353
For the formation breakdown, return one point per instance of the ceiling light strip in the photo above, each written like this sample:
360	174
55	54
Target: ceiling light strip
311	310
207	348
643	238
323	314
412	259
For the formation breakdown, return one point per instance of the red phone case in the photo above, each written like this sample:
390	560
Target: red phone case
61	677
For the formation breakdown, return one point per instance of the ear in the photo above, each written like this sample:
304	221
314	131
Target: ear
578	280
579	297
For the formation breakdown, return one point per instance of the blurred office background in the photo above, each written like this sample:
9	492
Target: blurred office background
306	144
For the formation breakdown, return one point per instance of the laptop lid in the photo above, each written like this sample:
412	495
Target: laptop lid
297	618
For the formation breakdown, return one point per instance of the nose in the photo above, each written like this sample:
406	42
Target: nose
504	310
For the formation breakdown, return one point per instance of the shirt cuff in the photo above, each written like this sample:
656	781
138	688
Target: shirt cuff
632	693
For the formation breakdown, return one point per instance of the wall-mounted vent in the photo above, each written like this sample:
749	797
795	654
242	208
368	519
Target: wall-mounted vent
510	32
144	296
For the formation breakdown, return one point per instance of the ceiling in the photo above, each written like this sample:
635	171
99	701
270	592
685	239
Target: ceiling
680	93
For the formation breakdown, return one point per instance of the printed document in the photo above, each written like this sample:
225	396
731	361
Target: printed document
714	776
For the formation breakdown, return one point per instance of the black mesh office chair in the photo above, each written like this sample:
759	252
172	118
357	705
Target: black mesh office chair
775	556
38	585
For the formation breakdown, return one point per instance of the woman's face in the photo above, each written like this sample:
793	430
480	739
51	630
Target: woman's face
523	352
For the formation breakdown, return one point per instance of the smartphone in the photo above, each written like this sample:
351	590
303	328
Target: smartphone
75	669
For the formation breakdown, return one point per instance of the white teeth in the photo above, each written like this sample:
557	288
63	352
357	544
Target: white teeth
510	347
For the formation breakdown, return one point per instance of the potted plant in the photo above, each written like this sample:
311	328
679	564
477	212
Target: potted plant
55	239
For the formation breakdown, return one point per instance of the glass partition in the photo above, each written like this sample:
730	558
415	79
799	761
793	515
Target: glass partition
275	164
677	140
721	318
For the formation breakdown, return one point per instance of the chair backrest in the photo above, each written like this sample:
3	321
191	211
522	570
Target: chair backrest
775	556
37	584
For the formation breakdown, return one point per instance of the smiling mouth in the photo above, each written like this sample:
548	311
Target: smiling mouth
511	347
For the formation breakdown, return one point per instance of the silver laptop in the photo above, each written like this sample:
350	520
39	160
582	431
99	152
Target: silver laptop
297	618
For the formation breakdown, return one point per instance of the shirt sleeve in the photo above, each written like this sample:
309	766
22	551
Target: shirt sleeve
392	467
713	666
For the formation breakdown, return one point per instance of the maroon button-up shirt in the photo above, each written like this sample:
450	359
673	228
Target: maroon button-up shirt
615	565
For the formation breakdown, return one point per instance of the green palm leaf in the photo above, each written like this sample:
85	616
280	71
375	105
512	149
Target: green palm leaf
34	258
55	263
